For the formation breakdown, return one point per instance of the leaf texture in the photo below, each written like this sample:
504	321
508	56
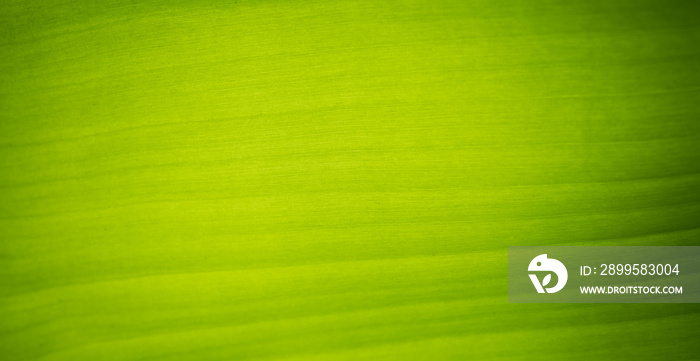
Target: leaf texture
318	180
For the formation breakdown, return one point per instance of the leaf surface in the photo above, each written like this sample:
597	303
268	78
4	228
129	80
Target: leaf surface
195	180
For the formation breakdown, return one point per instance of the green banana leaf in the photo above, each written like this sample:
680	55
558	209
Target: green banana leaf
330	180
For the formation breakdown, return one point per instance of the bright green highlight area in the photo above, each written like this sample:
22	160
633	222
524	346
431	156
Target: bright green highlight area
338	180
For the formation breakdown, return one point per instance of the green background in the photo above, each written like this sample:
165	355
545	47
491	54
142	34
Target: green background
309	180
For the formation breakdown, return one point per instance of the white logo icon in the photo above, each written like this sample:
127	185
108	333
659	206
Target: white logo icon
542	263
